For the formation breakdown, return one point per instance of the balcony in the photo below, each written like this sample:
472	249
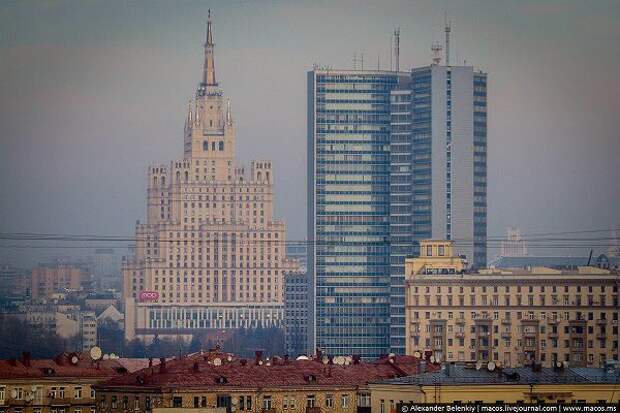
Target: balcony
506	321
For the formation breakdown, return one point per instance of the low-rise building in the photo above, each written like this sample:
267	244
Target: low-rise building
60	385
514	317
218	380
481	384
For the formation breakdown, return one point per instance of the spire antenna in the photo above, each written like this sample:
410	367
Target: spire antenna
448	29
208	72
397	49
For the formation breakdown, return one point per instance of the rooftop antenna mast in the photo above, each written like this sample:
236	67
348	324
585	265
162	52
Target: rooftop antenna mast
397	49
448	29
391	57
359	60
436	49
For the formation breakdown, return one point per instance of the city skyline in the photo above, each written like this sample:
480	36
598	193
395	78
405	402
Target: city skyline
66	94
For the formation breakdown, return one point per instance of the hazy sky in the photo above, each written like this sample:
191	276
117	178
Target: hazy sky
91	92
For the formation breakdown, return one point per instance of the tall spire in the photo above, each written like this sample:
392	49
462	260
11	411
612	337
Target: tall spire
208	72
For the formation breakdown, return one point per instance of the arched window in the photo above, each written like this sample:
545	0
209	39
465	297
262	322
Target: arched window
186	176
178	176
212	146
154	181
267	176
205	146
210	123
221	145
163	180
259	176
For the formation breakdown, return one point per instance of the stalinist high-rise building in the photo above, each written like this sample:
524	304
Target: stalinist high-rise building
211	255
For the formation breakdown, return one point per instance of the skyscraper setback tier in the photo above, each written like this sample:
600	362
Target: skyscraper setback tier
210	255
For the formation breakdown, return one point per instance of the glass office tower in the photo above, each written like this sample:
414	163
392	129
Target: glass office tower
438	172
348	210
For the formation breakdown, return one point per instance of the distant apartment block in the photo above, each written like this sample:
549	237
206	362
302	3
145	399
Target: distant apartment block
512	317
49	280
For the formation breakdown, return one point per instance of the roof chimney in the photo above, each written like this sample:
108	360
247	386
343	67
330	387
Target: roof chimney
26	358
162	364
258	356
150	361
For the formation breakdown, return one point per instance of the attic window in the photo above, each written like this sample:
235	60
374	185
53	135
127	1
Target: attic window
310	378
221	380
48	371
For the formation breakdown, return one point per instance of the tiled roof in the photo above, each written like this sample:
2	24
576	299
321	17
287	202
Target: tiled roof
460	375
199	371
61	366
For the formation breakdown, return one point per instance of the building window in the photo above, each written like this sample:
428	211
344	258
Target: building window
363	400
177	401
329	401
205	146
221	145
78	392
344	400
266	402
310	400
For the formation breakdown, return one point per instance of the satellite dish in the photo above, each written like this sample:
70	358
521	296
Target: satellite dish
558	364
113	356
217	361
95	353
565	364
302	357
106	356
14	394
325	360
339	360
417	354
491	366
33	388
478	365
433	359
229	358
75	359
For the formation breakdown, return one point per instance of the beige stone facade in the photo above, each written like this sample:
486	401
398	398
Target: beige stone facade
47	281
513	317
210	238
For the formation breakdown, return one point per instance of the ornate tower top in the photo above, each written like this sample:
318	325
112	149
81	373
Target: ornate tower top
208	72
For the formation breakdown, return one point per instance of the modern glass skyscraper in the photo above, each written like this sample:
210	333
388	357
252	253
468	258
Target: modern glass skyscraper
349	207
393	158
438	172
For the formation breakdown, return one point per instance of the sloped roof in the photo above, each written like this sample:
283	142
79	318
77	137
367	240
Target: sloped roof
61	366
200	371
460	375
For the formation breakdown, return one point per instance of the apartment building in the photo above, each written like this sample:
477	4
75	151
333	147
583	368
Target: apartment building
512	317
